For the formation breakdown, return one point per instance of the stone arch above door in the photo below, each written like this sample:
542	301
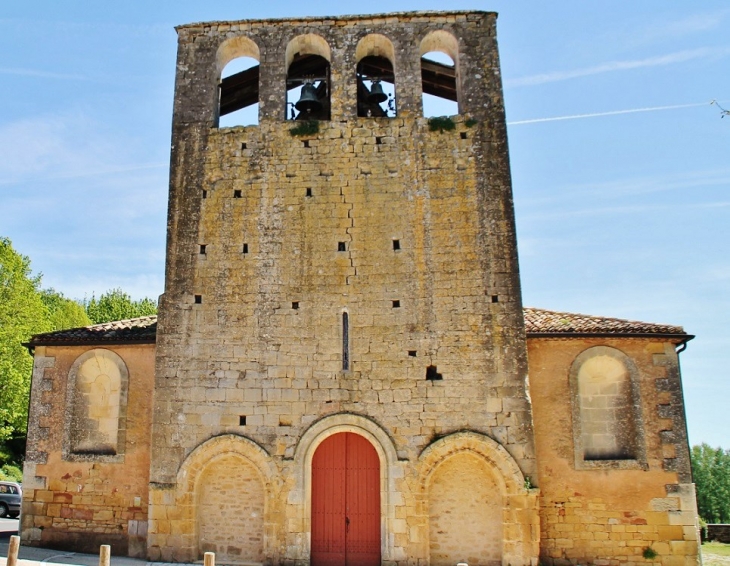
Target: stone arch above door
492	469
390	470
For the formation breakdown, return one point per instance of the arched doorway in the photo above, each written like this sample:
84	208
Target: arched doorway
345	502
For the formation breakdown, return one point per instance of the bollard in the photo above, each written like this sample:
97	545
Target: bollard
13	550
104	552
209	559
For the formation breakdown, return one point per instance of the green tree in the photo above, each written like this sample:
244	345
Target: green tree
118	305
22	314
62	312
711	472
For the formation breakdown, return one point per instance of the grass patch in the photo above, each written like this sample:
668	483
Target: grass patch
441	124
718	548
308	128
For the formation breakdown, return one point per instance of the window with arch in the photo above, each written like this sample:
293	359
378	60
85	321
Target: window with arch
440	74
97	390
606	412
308	78
375	77
237	63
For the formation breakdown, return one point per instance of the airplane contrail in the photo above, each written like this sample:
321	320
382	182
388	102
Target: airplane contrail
611	113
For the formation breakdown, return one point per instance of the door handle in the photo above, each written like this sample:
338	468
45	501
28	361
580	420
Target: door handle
347	524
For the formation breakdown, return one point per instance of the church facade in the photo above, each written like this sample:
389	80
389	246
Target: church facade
342	371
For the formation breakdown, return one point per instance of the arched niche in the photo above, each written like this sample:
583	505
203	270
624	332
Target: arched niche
479	509
97	391
308	81
222	494
607	424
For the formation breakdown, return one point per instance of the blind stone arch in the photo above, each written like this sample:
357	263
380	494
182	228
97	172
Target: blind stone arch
605	397
95	425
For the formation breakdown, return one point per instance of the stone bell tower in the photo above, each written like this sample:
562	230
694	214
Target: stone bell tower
356	266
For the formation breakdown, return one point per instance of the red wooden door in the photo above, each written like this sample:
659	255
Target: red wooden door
345	502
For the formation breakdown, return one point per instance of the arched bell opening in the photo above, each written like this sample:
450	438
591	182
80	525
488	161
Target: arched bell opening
308	88
239	93
237	62
375	87
438	75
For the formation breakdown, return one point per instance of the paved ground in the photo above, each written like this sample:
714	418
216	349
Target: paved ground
31	556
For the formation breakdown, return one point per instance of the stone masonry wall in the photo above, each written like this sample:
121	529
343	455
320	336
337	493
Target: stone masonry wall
256	336
91	500
611	513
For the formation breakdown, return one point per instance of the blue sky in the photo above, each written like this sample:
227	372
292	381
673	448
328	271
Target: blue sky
621	166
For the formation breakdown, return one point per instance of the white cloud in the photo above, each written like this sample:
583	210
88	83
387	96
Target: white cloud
615	66
609	113
43	74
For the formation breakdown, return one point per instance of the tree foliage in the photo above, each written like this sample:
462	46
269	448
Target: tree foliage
62	312
22	314
711	471
118	305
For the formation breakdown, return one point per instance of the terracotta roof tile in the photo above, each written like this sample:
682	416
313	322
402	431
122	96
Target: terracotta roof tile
540	321
537	322
142	329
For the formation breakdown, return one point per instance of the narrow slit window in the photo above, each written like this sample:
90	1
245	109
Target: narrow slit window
203	249
205	193
345	341
242	420
245	248
396	245
309	192
341	247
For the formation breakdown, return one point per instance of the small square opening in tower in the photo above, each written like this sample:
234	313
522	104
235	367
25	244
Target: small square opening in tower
198	299
243	145
396	245
396	304
203	248
495	298
242	420
309	192
341	247
412	353
237	193
295	305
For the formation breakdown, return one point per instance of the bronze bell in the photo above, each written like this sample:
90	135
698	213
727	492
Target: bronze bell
376	93
308	102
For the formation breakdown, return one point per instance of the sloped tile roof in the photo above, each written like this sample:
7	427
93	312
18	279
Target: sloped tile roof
134	330
540	321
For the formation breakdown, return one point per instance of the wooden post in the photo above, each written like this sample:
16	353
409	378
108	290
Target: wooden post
104	552
13	548
209	559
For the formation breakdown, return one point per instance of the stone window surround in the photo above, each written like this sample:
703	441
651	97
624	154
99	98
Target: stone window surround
67	453
640	461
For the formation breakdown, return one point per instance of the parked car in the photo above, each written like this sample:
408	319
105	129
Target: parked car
10	495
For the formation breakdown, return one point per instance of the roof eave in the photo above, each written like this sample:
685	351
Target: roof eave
672	337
